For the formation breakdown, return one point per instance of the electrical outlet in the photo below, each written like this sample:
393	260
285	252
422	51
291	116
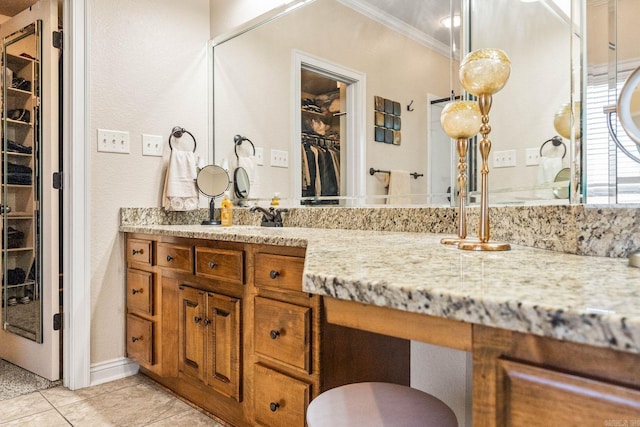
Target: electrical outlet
259	156
151	145
533	157
113	141
280	158
504	159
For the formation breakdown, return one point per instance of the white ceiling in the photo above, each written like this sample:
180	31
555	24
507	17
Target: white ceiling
13	7
424	15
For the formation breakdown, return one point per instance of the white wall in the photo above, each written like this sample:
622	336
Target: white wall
228	14
148	73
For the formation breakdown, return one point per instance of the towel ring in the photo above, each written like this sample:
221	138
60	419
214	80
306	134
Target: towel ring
177	132
556	141
238	140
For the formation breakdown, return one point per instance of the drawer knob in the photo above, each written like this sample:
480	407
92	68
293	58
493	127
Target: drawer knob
212	265
274	334
197	319
137	251
274	406
274	274
169	258
135	339
136	291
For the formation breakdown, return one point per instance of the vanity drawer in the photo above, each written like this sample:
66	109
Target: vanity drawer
279	271
282	331
140	340
279	399
536	395
177	257
140	291
139	251
221	264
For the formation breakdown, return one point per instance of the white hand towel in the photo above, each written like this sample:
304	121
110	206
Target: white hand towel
399	188
548	168
180	192
249	164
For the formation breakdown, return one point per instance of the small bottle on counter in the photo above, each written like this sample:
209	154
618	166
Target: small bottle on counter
226	211
275	200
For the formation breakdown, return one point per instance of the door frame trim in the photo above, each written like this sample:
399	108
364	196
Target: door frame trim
76	197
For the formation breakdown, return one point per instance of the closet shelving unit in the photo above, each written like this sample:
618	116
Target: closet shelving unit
19	207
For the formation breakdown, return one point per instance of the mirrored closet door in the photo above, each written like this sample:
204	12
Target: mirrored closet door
29	205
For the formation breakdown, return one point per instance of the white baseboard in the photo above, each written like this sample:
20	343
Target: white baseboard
112	370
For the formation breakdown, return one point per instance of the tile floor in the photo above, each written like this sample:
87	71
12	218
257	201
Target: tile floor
133	401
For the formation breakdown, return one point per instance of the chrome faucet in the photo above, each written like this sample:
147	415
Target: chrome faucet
271	217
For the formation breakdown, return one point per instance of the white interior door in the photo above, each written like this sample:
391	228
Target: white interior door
42	358
440	147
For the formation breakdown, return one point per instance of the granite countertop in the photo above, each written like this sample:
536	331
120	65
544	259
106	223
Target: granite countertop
591	300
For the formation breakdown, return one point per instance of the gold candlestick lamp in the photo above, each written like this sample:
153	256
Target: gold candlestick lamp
461	120
484	72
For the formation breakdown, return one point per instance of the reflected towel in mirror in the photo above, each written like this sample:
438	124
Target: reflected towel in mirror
548	168
399	187
249	164
180	192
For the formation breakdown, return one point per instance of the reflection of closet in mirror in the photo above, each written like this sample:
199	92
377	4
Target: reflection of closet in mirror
322	104
20	95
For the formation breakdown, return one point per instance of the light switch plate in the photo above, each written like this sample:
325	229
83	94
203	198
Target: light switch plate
113	141
280	158
533	157
504	159
151	145
259	156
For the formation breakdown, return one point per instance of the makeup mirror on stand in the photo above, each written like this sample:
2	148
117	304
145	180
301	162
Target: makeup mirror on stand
212	181
628	111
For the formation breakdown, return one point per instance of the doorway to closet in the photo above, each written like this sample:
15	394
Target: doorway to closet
30	199
328	104
323	110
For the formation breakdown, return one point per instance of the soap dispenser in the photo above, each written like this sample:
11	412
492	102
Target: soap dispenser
226	208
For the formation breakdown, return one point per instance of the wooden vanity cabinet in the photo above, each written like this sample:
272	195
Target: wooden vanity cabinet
296	354
521	379
227	326
143	332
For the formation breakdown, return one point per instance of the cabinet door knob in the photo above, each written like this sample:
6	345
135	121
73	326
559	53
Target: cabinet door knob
274	274
136	291
5	209
169	258
206	322
274	406
137	251
134	339
197	319
274	334
212	265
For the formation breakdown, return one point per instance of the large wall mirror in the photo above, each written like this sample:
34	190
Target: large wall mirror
408	56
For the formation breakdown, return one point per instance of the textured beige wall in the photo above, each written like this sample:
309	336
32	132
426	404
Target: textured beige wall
148	73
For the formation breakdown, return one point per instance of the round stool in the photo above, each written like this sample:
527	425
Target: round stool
378	404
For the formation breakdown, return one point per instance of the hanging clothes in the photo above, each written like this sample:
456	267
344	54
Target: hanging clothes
320	167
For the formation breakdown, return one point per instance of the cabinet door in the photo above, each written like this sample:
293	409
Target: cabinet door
223	350
191	332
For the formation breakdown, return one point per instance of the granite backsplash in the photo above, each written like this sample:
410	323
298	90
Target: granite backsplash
609	231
